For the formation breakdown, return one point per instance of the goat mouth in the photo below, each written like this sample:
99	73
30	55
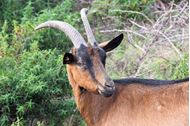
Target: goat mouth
106	93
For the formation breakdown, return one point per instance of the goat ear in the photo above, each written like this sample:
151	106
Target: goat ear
68	58
110	45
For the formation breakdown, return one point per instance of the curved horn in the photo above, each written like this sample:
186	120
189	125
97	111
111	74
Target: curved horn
69	30
87	27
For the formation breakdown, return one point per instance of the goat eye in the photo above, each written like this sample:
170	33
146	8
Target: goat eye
82	65
79	63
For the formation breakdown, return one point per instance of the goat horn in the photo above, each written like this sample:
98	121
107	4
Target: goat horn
69	30
87	27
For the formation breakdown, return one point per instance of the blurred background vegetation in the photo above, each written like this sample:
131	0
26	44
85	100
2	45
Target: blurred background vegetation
34	89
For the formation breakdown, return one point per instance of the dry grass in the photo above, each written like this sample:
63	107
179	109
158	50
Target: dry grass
152	45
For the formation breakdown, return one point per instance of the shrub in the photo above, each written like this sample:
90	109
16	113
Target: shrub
33	81
34	84
181	70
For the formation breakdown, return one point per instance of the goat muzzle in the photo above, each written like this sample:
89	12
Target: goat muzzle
107	90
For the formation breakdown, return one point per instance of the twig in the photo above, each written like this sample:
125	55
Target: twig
178	52
118	30
140	26
134	12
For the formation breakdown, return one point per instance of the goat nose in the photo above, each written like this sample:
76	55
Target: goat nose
110	86
107	89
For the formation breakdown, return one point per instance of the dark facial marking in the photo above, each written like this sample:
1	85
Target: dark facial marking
102	55
84	59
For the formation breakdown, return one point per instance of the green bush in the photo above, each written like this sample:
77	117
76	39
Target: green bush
13	9
34	84
181	70
22	32
122	9
33	81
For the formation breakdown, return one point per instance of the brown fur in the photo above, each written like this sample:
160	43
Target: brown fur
131	104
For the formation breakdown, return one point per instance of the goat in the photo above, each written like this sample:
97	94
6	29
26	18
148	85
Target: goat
123	102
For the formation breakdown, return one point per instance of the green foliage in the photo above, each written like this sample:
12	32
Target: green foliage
33	81
121	8
34	84
16	10
54	38
22	31
182	68
172	68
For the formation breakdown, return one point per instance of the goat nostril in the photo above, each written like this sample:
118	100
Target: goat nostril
107	85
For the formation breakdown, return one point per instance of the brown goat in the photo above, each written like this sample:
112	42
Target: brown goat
125	102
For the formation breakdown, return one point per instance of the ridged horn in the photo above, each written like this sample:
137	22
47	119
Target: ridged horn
69	30
87	27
